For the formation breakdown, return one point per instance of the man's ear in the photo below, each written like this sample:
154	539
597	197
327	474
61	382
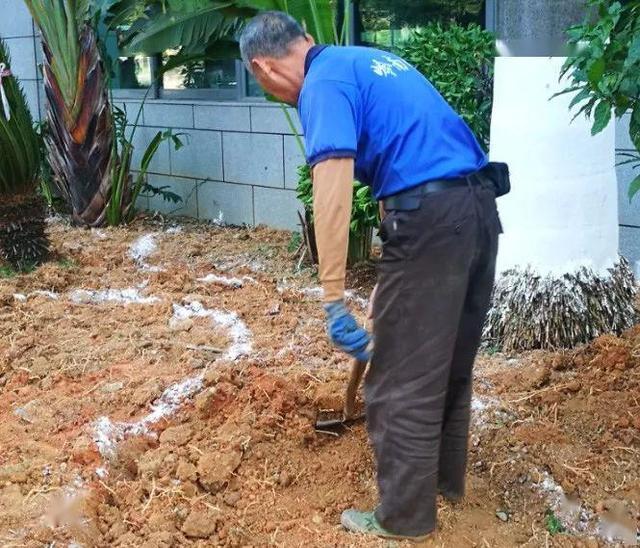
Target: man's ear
260	67
310	39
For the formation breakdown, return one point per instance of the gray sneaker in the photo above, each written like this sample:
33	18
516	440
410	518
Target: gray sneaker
366	523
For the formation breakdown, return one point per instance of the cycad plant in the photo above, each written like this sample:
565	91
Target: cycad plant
80	140
22	227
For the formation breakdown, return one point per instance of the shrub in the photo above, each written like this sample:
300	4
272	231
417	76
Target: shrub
364	212
364	216
458	61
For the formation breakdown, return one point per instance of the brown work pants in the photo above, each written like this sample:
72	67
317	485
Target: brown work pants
434	288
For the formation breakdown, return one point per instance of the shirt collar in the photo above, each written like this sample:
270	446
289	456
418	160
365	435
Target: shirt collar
311	55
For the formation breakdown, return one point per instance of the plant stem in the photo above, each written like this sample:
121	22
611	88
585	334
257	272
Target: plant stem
293	128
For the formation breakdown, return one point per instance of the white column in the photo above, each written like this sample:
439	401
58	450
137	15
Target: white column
562	213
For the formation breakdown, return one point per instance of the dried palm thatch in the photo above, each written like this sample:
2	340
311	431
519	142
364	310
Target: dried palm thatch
531	311
23	241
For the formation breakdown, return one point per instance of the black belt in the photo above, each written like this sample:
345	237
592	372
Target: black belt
408	200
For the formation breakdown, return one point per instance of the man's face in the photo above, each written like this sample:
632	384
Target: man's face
276	77
283	77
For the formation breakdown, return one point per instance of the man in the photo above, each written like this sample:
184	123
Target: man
369	112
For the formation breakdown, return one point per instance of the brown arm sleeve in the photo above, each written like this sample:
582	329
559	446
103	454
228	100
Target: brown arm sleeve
332	197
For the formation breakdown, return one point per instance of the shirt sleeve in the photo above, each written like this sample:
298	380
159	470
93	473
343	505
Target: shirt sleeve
330	120
332	202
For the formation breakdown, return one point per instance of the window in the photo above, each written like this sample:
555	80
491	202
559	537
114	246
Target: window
379	23
385	24
134	74
216	80
201	75
220	79
251	88
225	79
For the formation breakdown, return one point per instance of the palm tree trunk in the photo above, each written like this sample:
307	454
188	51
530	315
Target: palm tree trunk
560	279
80	143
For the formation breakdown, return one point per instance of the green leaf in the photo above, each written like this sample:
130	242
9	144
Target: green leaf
629	85
261	4
634	126
175	139
162	191
121	12
317	16
221	49
565	91
362	192
575	33
602	116
596	71
583	95
634	187
552	523
192	31
19	143
615	8
150	151
621	105
634	52
459	63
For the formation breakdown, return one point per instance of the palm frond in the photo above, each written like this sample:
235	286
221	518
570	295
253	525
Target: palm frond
23	242
60	28
19	160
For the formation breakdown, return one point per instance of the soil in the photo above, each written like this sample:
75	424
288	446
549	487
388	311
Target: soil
186	417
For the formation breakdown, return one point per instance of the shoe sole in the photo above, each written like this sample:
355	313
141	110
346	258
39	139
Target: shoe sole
352	527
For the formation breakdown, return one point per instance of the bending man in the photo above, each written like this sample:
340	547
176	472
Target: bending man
368	113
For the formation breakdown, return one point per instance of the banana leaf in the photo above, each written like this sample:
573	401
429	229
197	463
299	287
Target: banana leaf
317	16
192	31
198	27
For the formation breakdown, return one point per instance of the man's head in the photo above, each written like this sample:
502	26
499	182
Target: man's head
274	47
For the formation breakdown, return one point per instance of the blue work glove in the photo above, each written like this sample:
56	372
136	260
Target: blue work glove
345	333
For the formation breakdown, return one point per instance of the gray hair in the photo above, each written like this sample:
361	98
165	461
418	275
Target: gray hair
269	34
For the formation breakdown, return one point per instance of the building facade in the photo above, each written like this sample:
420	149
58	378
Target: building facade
241	159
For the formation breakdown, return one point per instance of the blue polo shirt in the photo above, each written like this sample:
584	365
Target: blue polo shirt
372	106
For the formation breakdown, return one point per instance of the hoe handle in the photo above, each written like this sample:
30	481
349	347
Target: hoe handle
357	371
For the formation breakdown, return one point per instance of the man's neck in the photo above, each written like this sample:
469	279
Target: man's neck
312	53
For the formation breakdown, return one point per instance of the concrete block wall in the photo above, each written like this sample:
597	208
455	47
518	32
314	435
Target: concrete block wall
629	211
18	32
238	164
240	159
